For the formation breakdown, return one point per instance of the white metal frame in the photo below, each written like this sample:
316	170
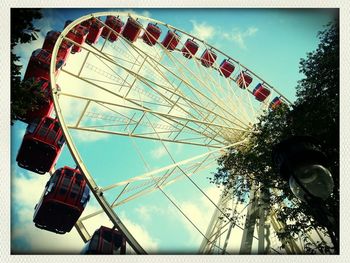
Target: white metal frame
216	128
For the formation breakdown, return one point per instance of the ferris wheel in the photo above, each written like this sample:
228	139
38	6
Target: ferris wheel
134	84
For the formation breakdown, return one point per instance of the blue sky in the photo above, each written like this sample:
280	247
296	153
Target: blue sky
270	42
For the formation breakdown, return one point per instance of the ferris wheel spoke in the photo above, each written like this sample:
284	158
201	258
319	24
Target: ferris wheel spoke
239	111
145	184
168	118
198	95
172	120
247	93
150	92
194	105
143	78
194	159
204	96
182	68
101	87
156	64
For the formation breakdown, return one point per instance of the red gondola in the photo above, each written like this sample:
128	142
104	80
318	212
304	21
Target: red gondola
64	51
78	34
190	48
152	34
49	43
243	80
116	24
50	40
132	30
275	103
208	58
41	145
226	68
45	104
260	92
171	40
64	199
95	29
39	65
106	241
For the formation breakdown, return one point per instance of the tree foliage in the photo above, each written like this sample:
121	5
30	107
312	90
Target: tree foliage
315	113
22	31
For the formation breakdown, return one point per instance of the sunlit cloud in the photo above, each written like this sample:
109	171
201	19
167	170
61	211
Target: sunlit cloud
206	32
39	241
240	37
144	238
202	30
159	152
23	230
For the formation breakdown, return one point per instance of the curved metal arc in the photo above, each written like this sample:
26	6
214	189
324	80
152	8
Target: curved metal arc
121	67
129	100
70	143
217	50
145	81
98	14
92	184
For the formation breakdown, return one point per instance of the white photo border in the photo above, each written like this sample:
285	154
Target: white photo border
5	139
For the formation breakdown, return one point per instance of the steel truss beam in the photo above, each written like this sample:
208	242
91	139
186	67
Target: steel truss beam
217	125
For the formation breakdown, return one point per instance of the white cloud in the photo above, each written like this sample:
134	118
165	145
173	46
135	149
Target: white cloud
240	37
144	212
202	30
141	234
200	212
21	184
26	192
207	32
159	152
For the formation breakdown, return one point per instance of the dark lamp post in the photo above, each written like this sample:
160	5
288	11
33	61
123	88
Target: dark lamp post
301	161
315	178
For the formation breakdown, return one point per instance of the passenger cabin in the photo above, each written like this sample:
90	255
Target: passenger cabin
260	92
50	41
44	106
275	103
106	241
41	145
39	65
132	30
116	24
226	68
243	80
171	40
152	34
64	51
62	202
95	27
78	34
190	48
208	58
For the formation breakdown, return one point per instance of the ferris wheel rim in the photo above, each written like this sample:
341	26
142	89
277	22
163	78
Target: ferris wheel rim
137	16
69	140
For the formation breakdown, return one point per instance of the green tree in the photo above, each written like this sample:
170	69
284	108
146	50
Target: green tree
22	31
315	113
